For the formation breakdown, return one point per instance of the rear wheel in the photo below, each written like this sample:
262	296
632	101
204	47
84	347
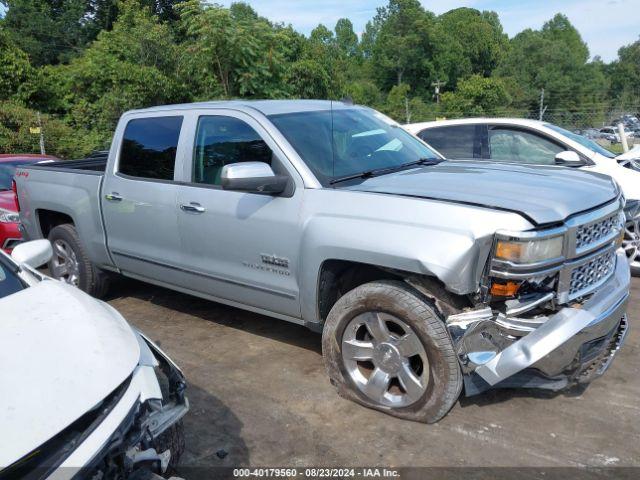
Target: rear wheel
387	348
70	262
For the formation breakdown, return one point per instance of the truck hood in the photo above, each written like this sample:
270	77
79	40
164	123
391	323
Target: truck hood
61	353
541	194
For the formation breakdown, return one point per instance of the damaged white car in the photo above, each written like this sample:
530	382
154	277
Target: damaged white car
84	394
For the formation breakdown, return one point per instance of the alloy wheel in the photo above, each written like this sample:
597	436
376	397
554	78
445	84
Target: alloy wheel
64	264
385	359
631	242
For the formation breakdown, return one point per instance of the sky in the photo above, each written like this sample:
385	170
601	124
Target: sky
605	25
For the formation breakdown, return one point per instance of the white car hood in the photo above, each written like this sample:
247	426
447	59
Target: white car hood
632	154
61	353
627	178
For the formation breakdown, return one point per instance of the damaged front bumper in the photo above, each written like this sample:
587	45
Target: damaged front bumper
131	437
574	345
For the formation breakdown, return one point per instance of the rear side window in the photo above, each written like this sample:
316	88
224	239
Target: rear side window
454	142
149	147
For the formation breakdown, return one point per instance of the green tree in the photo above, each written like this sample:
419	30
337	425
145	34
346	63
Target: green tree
625	73
554	58
59	138
49	31
469	42
346	38
476	96
230	53
132	66
15	69
54	31
400	39
308	79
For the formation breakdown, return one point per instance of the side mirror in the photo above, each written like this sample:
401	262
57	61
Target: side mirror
252	177
34	254
569	158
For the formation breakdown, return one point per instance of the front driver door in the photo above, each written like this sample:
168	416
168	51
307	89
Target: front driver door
237	246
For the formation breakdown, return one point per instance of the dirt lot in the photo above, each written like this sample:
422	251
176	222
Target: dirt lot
258	392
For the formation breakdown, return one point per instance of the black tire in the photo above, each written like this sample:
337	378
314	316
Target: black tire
91	279
635	271
400	300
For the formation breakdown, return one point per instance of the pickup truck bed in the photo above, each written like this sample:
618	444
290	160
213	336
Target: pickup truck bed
66	189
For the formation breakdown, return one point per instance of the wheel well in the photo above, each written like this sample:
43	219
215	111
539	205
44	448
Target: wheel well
49	219
337	277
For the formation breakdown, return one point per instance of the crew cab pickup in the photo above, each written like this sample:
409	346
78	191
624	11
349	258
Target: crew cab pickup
423	275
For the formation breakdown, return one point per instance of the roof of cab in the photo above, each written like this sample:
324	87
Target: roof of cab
266	107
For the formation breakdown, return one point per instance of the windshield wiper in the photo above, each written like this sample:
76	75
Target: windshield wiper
383	171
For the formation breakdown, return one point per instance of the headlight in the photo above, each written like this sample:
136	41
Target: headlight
7	216
529	251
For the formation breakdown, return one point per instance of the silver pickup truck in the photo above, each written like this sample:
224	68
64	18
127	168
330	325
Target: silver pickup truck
425	276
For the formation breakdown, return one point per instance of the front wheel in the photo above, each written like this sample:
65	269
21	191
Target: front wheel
387	348
631	245
70	262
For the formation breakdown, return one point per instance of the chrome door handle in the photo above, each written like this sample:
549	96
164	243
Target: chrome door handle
113	197
193	207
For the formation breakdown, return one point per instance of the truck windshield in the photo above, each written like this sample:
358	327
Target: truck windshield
584	141
348	141
9	281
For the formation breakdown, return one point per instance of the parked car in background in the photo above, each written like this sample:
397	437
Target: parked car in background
422	274
9	232
84	394
521	141
590	133
612	134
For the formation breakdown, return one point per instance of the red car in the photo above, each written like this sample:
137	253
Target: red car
9	221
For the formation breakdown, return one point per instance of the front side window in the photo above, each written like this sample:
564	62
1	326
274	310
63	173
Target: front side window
509	145
342	142
223	140
149	147
582	140
455	142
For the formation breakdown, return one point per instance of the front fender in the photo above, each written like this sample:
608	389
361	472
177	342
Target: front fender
447	241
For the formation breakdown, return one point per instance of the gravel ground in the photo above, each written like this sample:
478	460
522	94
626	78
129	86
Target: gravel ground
259	393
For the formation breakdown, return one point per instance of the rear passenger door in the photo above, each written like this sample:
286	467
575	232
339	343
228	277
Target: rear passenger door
139	198
456	142
238	246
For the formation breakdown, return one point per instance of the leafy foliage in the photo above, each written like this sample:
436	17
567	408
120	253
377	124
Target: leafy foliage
477	96
82	63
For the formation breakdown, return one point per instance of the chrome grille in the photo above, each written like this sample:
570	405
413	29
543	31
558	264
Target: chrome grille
590	234
589	275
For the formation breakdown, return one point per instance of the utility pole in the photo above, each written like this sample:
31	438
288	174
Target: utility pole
42	152
407	111
436	89
543	108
